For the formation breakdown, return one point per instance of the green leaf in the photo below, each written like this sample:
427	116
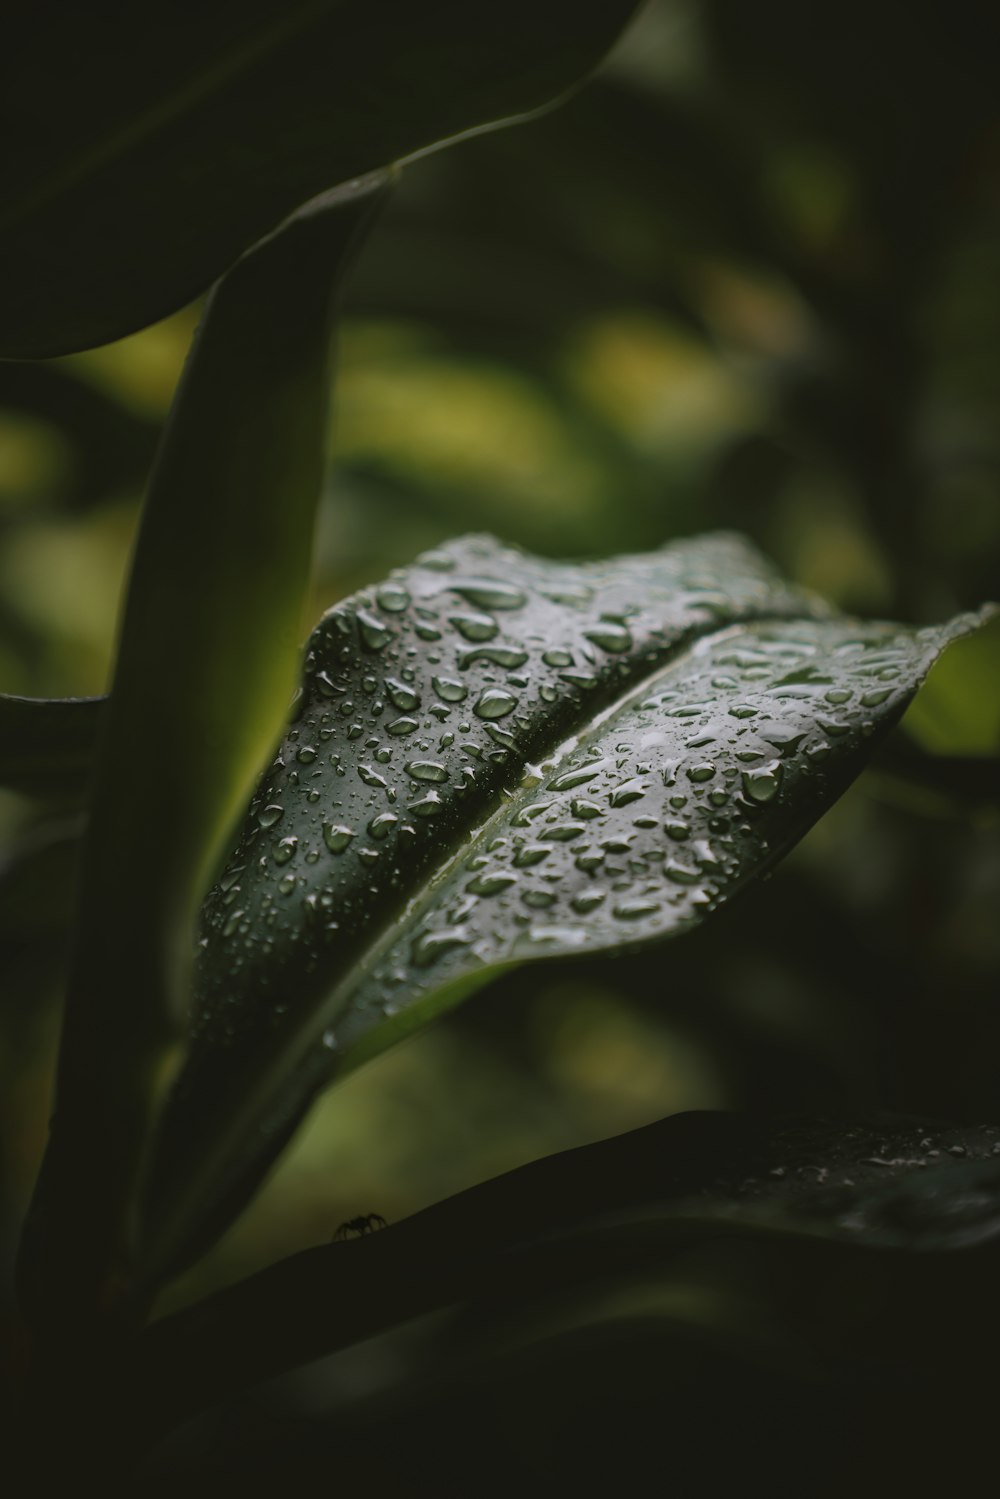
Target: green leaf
499	759
205	669
170	140
900	1186
959	714
47	746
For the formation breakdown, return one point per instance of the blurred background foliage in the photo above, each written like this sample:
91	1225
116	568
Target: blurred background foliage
748	278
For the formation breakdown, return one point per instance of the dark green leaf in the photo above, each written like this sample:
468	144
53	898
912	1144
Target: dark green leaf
499	759
619	1206
205	669
153	146
47	746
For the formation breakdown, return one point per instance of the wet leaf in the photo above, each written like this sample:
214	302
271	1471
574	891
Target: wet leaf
498	759
47	744
170	140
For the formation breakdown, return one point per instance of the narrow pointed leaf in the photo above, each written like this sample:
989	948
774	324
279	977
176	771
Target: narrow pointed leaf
47	745
619	1206
499	759
155	145
205	669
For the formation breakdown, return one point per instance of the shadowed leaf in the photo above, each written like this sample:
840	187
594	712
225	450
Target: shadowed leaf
170	140
47	746
615	1208
205	668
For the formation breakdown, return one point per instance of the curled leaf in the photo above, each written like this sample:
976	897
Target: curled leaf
498	759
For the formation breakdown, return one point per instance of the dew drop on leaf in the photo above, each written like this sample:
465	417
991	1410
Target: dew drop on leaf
494	703
425	770
392	597
375	635
336	836
475	626
490	593
451	690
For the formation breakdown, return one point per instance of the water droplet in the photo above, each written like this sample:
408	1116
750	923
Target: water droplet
491	882
577	777
400	726
427	806
489	593
425	770
475	626
285	849
269	815
449	689
678	831
528	813
680	873
392	597
495	703
438	562
634	910
336	836
232	922
610	637
703	772
761	785
872	699
382	825
563	832
581	808
496	655
529	854
587	900
430	946
538	900
371	777
330	1040
375	635
743	710
327	686
402	696
306	755
628	791
837	695
557	658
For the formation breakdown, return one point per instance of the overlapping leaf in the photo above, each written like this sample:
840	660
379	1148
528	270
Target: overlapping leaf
498	759
47	744
616	1208
154	146
200	687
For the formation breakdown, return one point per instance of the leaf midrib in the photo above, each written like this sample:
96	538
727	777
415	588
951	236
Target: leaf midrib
283	1062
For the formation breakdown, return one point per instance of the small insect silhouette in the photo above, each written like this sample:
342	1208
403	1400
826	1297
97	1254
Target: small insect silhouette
355	1227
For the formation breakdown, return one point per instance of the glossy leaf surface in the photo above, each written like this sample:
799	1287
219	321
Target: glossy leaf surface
154	145
498	759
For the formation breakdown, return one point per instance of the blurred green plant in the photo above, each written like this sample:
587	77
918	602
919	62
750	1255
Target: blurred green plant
708	291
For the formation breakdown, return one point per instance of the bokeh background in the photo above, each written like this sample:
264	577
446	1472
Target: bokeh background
748	278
